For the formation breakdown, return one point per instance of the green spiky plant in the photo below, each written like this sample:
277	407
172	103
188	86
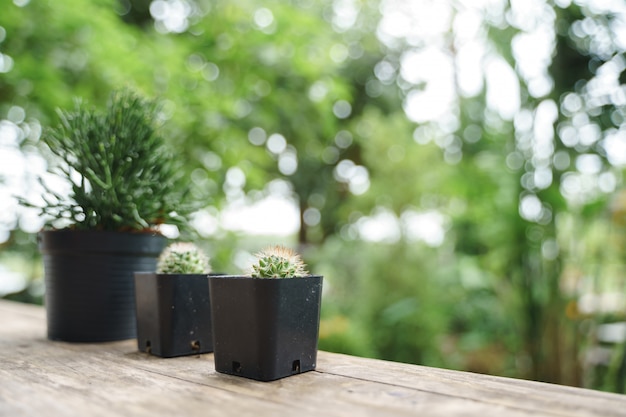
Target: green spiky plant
278	262
183	258
122	176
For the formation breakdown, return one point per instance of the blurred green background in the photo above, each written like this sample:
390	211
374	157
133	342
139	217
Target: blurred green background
455	169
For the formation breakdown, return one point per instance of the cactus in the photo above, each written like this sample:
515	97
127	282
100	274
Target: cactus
183	258
278	262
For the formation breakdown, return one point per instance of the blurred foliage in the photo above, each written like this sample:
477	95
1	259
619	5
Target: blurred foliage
531	205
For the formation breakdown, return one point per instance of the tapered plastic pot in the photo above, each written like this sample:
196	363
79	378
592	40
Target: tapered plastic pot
89	284
265	329
173	314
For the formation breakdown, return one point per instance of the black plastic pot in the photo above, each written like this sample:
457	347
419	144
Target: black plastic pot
90	291
173	314
265	328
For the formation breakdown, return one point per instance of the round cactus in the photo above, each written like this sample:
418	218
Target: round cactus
278	262
183	258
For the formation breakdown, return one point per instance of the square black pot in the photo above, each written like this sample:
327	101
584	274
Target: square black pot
265	328
173	314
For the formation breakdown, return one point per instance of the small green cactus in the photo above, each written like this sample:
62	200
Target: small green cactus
278	262
183	258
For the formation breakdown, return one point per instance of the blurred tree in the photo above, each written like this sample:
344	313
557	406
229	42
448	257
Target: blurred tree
520	161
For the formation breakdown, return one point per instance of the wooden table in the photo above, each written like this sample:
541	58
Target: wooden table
43	378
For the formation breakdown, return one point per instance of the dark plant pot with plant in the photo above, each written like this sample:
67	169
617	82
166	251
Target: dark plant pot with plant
124	185
266	325
173	304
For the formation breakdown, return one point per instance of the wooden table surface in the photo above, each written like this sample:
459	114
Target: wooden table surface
43	378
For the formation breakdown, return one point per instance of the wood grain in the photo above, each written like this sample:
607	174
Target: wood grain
44	378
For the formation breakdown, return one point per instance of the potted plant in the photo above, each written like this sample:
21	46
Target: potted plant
266	323
173	310
123	186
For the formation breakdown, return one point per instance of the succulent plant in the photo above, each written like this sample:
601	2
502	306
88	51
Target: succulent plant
183	258
123	175
278	262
